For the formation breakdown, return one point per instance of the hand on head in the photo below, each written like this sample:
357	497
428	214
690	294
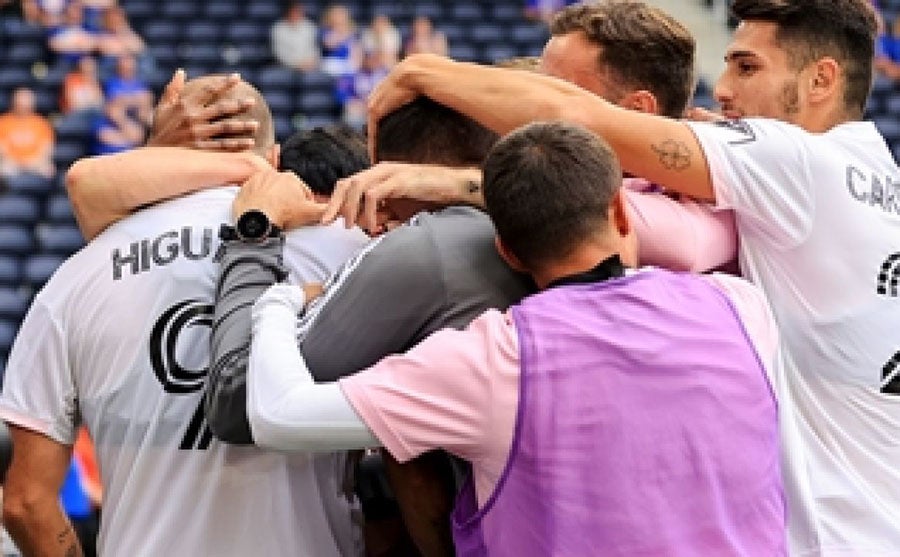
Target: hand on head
283	197
204	117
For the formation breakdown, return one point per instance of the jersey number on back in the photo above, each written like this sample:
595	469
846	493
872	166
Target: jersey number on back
172	375
889	285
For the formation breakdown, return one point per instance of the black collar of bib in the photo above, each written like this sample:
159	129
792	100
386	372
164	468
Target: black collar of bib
609	268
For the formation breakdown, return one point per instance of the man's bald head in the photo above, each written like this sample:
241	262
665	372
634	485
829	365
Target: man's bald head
264	138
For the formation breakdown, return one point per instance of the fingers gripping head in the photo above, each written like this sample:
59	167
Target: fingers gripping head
206	91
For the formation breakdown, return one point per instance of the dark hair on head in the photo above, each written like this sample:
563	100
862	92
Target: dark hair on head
641	47
428	132
322	156
548	188
809	30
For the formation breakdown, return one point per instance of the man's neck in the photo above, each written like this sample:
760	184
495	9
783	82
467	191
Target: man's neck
582	260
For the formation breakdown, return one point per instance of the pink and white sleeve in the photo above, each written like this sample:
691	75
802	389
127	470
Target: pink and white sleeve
456	390
681	235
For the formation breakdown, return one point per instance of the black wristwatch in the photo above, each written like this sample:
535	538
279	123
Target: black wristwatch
252	226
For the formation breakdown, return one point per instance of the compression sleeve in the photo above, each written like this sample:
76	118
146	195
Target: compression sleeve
286	409
246	270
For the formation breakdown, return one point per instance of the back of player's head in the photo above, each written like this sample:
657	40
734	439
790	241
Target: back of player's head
641	47
264	138
548	188
809	30
427	132
322	156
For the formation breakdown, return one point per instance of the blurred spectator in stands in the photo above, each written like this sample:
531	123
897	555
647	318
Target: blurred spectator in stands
353	90
26	138
295	39
340	48
383	39
81	90
115	131
425	39
95	12
116	37
71	40
543	10
127	88
887	49
49	13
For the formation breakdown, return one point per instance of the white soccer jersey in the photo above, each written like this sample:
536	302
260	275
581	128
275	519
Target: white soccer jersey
120	338
819	223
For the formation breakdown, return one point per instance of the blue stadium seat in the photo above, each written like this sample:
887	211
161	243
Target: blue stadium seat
284	127
889	127
529	34
315	121
432	10
12	77
59	209
10	270
494	53
140	10
394	10
76	126
222	11
179	9
67	152
467	11
486	33
162	31
454	33
19	209
316	81
244	32
200	54
892	106
15	240
27	52
507	12
59	238
279	101
39	268
8	330
463	53
264	11
46	100
276	77
13	304
203	31
29	184
15	30
317	102
254	53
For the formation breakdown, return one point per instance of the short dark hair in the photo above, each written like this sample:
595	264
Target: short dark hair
322	156
548	187
425	131
641	46
809	30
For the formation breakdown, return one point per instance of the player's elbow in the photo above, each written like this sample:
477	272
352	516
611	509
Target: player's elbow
21	504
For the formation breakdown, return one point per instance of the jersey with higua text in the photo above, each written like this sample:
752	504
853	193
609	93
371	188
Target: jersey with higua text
119	338
819	223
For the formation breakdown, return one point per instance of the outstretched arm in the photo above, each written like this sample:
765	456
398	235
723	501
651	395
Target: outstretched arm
108	188
663	150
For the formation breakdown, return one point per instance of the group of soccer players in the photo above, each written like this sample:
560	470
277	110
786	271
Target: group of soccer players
518	309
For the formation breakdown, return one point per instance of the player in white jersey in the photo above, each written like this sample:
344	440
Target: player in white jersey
119	339
816	195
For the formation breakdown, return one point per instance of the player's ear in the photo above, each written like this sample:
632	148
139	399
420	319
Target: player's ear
514	262
641	101
274	155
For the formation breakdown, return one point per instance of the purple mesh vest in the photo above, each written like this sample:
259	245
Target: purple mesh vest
646	427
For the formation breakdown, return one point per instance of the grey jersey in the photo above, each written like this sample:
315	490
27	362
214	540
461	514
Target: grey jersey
439	270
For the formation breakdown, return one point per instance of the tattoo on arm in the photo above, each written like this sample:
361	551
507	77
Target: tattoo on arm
473	187
67	536
673	155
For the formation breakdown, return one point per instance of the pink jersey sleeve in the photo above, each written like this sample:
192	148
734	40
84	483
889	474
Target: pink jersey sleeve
681	235
456	390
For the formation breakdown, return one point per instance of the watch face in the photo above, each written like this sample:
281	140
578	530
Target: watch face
253	225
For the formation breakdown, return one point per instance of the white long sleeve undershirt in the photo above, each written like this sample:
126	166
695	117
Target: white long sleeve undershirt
288	411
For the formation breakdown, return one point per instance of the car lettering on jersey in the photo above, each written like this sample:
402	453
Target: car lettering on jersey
148	253
877	191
